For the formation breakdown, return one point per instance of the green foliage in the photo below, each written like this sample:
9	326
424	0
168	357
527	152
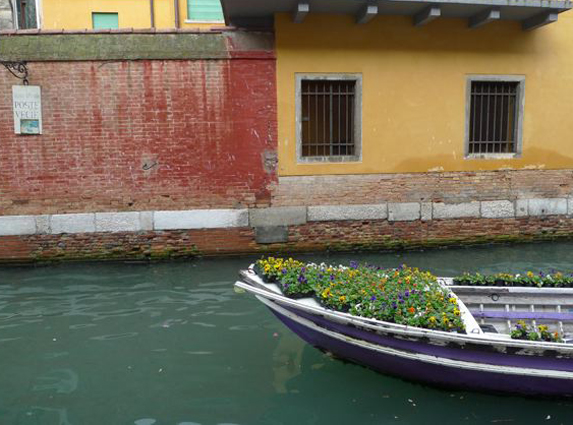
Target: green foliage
524	331
529	279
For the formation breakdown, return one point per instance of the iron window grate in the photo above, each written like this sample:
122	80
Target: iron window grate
328	117
493	117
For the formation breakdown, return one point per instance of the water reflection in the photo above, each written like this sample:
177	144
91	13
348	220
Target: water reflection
62	381
287	358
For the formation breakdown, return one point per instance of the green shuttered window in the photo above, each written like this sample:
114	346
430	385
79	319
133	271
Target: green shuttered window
105	21
205	10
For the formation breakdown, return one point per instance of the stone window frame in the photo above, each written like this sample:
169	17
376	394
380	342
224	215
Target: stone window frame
357	78
520	79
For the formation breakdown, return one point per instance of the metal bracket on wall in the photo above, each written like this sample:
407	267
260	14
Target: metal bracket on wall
18	69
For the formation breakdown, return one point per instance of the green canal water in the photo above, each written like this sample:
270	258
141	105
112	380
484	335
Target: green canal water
172	343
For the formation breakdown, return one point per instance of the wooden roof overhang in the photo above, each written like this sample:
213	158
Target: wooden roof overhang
531	13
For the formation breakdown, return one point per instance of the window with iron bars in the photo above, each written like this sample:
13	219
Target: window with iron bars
494	116
328	118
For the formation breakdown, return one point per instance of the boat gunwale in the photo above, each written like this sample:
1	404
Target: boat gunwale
379	325
508	289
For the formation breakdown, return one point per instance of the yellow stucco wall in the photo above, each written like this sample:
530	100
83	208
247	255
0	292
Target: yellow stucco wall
77	14
414	88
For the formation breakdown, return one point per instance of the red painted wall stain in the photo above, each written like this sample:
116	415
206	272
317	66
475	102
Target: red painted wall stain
141	135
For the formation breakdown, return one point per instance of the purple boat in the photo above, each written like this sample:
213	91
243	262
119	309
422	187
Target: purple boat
486	358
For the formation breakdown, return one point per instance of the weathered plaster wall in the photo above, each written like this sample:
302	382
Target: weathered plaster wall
74	14
414	89
6	18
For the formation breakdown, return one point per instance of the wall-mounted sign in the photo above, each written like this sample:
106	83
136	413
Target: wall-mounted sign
27	107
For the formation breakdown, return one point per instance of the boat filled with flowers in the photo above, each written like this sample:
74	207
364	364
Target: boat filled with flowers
441	331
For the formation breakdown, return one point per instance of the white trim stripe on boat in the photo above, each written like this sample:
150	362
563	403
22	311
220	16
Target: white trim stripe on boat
441	361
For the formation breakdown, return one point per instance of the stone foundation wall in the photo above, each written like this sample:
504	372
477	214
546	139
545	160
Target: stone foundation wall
171	234
452	187
312	236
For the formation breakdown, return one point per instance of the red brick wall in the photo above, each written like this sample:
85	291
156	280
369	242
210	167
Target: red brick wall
207	124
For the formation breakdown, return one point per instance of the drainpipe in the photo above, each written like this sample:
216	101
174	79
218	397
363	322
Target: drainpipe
39	14
152	13
176	6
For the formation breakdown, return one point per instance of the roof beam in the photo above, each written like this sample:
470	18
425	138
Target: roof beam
367	13
426	15
484	17
302	9
539	20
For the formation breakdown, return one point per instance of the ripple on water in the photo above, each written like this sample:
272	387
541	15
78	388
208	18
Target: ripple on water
55	355
13	325
145	421
111	337
235	314
10	339
205	325
120	313
81	326
169	323
244	327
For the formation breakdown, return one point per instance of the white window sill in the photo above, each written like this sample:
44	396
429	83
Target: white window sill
190	21
492	156
328	159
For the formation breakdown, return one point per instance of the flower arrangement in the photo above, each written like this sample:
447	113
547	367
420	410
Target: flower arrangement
403	295
271	268
523	331
530	279
297	282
